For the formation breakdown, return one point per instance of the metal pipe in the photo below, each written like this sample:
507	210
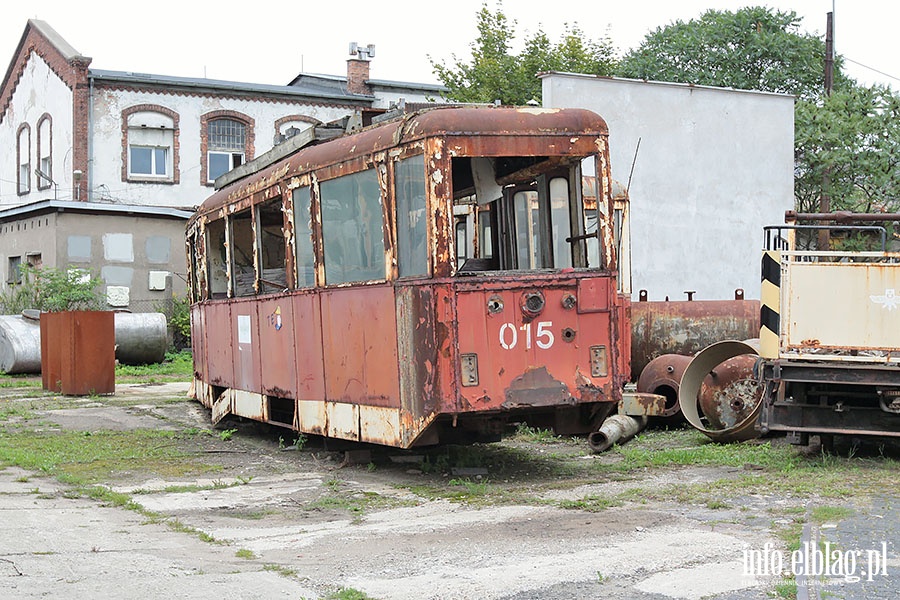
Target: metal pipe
616	429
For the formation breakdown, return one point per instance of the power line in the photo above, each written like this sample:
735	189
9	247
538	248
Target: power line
859	64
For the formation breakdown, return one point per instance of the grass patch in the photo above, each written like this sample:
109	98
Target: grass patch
591	503
348	594
830	514
281	570
176	366
245	553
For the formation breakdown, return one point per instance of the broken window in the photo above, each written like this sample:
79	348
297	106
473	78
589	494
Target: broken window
412	215
14	273
352	233
520	218
270	228
243	271
217	259
303	239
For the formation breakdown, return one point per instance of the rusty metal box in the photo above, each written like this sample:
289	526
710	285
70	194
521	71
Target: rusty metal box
78	352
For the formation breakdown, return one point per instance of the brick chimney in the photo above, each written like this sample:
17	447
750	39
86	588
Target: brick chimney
358	69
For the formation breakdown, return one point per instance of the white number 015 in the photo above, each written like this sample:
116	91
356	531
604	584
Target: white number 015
543	337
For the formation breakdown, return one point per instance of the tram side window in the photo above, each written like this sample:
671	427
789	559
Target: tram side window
242	268
270	225
412	246
305	257
352	233
216	259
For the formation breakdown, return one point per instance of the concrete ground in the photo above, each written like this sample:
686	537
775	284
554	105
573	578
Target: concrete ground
274	523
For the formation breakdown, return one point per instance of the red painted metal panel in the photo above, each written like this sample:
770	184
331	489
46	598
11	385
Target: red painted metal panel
360	345
276	342
245	341
80	352
308	337
593	294
219	333
527	359
198	342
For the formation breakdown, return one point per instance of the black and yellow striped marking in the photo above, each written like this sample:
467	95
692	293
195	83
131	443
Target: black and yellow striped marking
770	304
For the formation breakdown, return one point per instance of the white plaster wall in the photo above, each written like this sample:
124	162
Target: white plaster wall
39	91
106	181
713	168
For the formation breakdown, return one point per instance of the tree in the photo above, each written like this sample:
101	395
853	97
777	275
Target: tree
754	48
52	290
495	73
854	135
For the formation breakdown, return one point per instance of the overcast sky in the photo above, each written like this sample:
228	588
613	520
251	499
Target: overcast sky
272	41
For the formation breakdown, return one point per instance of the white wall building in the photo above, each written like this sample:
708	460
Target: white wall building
708	169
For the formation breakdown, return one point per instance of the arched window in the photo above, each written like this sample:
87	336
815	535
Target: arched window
44	152
226	142
150	149
23	153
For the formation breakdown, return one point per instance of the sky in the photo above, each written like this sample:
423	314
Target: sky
270	42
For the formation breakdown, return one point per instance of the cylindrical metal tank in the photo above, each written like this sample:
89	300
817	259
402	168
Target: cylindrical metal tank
20	344
687	327
141	338
662	376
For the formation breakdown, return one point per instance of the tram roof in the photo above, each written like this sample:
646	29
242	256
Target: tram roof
439	121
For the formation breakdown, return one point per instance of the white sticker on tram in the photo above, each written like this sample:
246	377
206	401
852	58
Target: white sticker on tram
543	337
243	323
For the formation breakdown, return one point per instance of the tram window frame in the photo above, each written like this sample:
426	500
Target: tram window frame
271	248
304	245
217	260
348	196
411	208
242	254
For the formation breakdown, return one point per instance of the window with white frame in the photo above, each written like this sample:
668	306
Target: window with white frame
24	157
45	162
151	137
226	140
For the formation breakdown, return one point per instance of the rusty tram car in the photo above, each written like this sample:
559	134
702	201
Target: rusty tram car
429	278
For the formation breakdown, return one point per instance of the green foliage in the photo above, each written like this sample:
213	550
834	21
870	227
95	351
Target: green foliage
852	137
180	322
175	366
495	73
753	48
52	290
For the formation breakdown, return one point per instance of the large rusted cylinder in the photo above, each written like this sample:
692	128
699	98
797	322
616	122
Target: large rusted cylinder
20	344
662	376
616	429
721	424
141	338
687	327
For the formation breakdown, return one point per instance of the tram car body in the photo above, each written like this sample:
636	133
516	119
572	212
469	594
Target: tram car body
430	278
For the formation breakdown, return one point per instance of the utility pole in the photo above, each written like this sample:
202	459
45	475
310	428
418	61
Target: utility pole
825	199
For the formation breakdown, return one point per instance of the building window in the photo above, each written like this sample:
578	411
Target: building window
23	152
226	146
44	152
148	160
226	141
150	144
14	273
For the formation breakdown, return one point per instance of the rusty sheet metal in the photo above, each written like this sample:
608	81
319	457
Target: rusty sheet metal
642	404
360	345
527	357
198	342
417	349
686	327
276	347
496	122
245	341
78	352
309	364
219	350
730	393
662	376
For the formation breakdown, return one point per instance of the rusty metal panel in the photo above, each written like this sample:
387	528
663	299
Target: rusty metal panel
342	420
842	306
360	345
417	348
312	417
531	352
687	327
245	341
79	350
593	294
276	341
249	405
218	331
380	425
198	342
307	331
